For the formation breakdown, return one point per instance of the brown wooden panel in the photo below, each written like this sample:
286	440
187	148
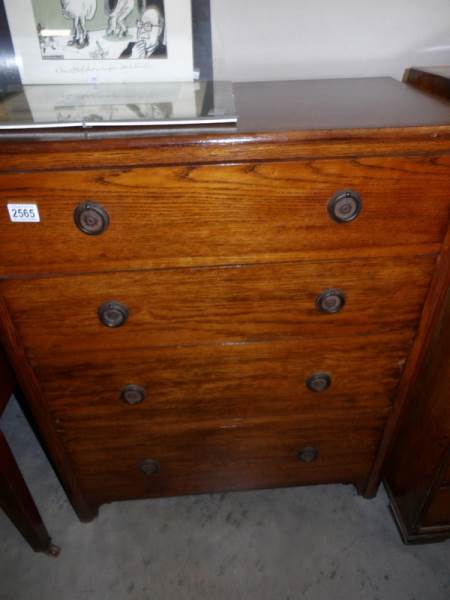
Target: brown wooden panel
223	214
423	443
29	385
231	381
192	306
435	81
218	456
438	512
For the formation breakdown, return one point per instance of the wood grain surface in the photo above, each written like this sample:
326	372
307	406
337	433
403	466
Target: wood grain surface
227	214
433	81
215	306
218	455
418	463
51	441
223	382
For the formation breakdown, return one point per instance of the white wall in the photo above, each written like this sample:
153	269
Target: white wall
301	39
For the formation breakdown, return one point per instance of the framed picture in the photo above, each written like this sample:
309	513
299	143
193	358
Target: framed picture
110	41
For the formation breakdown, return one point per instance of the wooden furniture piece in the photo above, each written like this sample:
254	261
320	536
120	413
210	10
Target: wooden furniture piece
241	308
433	80
15	498
417	474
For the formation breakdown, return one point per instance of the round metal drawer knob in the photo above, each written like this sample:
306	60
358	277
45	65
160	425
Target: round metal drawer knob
133	394
91	218
318	382
308	454
344	206
113	314
150	466
331	301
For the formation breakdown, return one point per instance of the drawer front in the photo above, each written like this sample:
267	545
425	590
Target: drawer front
227	381
219	456
197	306
220	214
438	512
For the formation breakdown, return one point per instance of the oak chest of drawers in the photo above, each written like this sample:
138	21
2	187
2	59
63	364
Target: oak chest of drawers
216	310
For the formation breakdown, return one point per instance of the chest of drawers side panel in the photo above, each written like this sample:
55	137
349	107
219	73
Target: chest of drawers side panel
51	440
416	470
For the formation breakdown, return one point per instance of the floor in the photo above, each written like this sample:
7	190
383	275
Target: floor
303	543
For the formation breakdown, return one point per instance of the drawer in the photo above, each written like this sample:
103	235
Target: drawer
222	214
219	456
227	381
438	512
235	304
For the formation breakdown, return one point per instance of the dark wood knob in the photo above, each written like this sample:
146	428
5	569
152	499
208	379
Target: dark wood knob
133	394
113	314
344	206
318	382
91	218
150	466
308	454
331	301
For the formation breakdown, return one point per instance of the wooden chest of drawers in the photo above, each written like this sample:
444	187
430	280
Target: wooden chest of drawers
228	309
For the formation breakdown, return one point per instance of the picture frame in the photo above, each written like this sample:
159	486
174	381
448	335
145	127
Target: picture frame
9	74
55	58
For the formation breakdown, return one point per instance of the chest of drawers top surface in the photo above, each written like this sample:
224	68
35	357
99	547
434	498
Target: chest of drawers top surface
285	113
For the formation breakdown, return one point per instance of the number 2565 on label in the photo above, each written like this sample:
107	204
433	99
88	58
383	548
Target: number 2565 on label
23	213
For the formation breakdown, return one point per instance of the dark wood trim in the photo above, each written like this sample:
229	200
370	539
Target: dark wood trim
29	155
424	535
431	82
437	479
430	317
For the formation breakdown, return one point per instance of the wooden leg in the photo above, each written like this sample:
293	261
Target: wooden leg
16	501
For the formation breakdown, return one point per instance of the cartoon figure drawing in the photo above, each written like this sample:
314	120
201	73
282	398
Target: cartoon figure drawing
79	11
149	36
118	11
100	31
